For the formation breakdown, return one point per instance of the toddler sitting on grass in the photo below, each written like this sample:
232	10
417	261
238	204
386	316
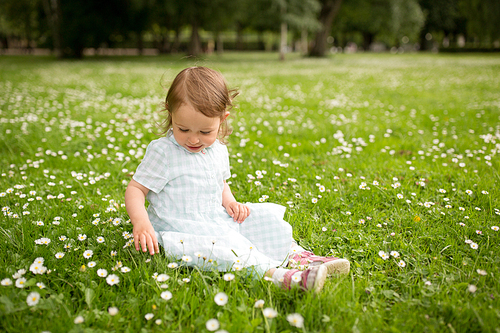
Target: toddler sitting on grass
191	208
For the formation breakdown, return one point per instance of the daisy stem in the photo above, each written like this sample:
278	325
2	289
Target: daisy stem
202	277
353	288
132	257
180	312
267	323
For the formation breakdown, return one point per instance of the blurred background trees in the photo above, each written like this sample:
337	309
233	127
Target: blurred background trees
314	27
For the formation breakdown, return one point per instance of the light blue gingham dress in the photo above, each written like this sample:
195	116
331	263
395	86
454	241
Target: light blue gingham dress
185	209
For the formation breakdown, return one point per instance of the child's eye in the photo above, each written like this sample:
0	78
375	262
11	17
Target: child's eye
183	130
206	132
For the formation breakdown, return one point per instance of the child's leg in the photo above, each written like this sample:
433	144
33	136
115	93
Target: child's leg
312	278
270	272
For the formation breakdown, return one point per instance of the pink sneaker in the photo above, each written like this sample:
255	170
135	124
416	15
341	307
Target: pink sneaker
306	259
312	278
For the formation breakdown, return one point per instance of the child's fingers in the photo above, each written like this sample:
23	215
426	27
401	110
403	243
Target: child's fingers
136	242
155	244
236	211
247	212
144	243
230	211
149	239
244	213
157	248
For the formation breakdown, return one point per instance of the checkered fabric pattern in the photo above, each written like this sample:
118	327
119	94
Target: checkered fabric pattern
185	209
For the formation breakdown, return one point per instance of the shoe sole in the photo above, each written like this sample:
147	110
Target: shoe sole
339	266
321	276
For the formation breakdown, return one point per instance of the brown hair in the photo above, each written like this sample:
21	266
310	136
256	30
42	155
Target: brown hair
205	90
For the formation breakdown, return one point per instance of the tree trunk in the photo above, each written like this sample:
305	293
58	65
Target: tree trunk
4	41
329	10
53	10
77	52
162	43
239	38
261	46
165	43
194	44
423	41
177	40
140	43
367	40
283	42
29	48
304	45
219	43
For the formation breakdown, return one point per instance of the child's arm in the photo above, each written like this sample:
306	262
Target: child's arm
236	210
135	198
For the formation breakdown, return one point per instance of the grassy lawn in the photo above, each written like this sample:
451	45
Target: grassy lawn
390	161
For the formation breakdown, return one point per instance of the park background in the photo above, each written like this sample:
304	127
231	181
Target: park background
383	147
313	27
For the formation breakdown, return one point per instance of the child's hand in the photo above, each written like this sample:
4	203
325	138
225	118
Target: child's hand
237	211
144	234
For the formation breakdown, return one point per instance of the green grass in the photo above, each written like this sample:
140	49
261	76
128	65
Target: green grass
73	131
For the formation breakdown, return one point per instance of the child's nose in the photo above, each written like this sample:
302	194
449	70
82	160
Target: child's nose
193	139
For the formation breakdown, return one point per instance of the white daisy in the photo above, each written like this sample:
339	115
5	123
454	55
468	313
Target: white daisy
162	278
6	282
295	319
33	298
228	277
383	255
212	325
166	295
172	265
270	313
259	304
221	299
102	272
113	311
112	279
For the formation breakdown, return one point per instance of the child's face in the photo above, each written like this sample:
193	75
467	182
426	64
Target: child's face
193	130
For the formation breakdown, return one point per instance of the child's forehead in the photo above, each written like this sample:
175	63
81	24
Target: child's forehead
189	112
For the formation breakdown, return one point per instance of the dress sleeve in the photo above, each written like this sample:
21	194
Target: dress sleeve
226	172
153	170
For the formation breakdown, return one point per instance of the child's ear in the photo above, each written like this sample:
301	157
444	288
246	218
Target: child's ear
225	116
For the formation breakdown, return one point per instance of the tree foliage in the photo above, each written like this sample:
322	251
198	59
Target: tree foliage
383	20
482	17
441	17
72	25
22	18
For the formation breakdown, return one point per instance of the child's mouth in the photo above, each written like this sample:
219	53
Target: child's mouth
193	148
